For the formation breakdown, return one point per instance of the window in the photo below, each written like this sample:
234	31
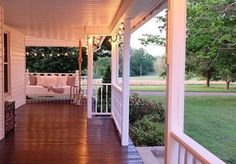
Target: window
6	64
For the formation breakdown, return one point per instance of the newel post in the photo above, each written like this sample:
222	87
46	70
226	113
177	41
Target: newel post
176	36
126	74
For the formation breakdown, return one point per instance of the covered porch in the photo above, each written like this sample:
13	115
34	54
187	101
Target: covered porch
74	134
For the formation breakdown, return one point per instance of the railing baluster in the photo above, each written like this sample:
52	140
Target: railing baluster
106	98
196	161
96	101
101	99
181	154
189	158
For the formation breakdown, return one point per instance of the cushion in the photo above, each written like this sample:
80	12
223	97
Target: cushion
70	81
51	80
61	80
40	80
32	80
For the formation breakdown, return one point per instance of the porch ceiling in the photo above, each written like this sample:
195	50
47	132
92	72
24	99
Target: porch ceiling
71	20
60	19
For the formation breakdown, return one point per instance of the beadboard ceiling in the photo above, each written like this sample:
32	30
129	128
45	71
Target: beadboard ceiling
67	19
70	19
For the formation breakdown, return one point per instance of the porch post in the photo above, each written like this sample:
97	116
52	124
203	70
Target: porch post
176	34
114	63
90	78
2	133
126	73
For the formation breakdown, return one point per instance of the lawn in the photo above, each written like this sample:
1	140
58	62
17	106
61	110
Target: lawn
188	88
211	121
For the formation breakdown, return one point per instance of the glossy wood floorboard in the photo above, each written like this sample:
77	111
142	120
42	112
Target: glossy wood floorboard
60	133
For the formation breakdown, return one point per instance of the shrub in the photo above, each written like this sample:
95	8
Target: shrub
140	107
148	132
147	121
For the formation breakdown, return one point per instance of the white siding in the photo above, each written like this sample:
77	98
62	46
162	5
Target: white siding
17	67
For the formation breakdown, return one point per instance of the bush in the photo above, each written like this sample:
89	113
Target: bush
148	132
147	122
140	107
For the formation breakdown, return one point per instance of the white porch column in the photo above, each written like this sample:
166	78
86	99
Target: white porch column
2	133
114	63
126	73
90	78
176	34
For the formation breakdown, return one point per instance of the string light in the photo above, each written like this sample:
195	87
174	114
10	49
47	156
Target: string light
58	55
66	54
43	55
120	33
35	54
50	55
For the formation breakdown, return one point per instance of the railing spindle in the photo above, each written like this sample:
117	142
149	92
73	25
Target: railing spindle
106	98
189	158
101	99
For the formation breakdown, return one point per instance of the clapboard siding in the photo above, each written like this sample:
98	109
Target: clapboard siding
1	76
17	67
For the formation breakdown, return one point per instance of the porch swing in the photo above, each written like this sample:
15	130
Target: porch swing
57	86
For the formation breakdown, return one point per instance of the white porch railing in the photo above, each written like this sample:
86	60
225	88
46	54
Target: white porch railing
190	152
117	106
101	101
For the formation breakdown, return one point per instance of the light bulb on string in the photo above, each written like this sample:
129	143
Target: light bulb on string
43	55
35	54
58	55
50	55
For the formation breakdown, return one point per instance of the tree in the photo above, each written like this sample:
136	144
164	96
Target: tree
106	79
141	63
226	66
210	26
100	66
160	65
54	59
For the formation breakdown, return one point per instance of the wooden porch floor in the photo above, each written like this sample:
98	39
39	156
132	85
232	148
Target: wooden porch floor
60	133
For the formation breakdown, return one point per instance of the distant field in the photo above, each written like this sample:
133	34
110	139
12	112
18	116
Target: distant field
211	122
188	88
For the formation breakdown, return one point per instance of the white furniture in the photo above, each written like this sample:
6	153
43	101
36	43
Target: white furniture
47	83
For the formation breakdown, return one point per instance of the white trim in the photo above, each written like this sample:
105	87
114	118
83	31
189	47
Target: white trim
126	74
90	78
176	31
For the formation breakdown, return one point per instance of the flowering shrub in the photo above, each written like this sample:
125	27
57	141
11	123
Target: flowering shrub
147	122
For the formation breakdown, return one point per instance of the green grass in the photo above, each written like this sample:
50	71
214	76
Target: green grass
211	121
188	88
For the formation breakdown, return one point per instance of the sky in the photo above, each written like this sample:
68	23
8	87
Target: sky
148	28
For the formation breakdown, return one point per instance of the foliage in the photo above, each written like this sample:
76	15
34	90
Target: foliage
100	66
43	62
210	27
160	66
106	79
226	66
147	120
140	107
141	63
147	132
38	59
